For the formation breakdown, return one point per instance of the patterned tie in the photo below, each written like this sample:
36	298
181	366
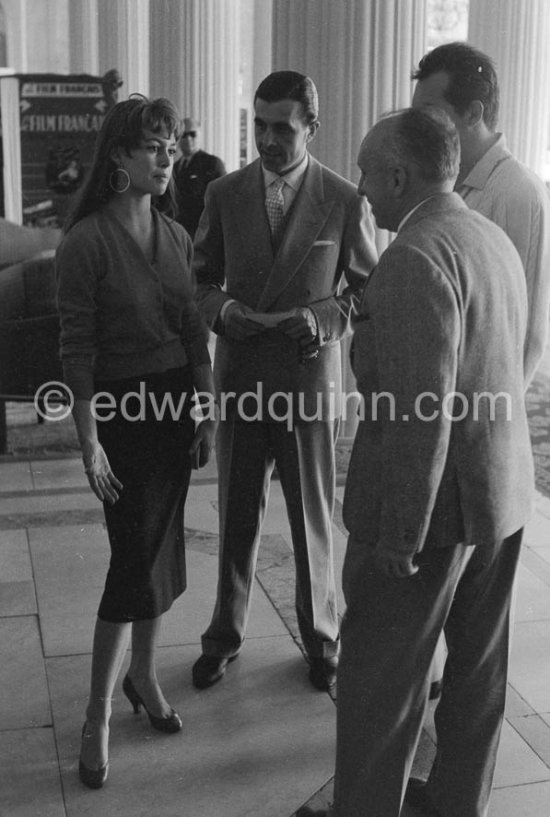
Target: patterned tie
274	204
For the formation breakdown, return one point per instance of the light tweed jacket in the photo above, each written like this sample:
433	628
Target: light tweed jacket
441	330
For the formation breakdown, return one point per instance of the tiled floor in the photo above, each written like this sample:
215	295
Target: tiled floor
259	744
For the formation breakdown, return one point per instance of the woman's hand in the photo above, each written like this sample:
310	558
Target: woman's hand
102	481
203	442
207	415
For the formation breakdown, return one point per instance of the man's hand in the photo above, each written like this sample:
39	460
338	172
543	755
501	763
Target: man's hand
236	324
395	565
301	326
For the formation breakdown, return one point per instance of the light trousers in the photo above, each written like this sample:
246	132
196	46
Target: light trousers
246	454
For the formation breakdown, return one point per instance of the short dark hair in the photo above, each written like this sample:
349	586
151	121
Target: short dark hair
427	138
472	76
123	129
290	85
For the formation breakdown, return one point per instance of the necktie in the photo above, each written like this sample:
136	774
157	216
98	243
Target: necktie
274	204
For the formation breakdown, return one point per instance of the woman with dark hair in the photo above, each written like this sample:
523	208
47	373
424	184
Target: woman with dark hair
130	330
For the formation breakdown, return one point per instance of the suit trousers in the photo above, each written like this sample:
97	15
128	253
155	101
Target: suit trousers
389	635
246	453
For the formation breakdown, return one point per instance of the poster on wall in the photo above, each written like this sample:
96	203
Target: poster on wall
48	127
60	117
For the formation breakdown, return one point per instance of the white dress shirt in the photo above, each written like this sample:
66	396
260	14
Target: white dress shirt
293	181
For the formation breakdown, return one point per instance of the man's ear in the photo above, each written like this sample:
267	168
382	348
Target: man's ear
313	127
474	113
399	181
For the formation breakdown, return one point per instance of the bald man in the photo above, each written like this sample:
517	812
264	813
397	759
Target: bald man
439	488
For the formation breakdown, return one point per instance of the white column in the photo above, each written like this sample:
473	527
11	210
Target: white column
84	36
123	31
37	35
262	55
195	63
360	54
516	33
256	26
16	34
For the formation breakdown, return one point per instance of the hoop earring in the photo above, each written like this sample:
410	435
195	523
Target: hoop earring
126	180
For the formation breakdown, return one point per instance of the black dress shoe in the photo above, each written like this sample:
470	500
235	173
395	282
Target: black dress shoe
322	673
305	811
209	669
417	796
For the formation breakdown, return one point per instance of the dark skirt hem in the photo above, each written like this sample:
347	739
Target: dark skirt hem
145	526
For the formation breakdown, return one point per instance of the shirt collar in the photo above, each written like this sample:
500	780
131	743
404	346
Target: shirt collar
409	214
479	174
293	178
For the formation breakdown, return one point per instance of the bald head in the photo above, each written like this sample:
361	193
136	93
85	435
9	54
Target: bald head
427	139
405	157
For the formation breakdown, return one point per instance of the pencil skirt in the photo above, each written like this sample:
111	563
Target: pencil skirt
147	439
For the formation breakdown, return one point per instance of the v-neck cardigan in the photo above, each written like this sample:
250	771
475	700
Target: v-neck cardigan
122	316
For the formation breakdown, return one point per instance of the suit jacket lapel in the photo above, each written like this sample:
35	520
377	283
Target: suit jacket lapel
250	220
309	214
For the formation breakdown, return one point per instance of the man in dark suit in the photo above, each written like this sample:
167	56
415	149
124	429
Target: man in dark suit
274	244
440	483
193	172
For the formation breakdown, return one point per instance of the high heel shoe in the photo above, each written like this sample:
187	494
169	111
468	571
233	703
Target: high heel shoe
172	723
93	778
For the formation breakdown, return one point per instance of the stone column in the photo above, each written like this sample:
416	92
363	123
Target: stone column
123	32
16	34
256	23
360	54
515	33
83	37
195	63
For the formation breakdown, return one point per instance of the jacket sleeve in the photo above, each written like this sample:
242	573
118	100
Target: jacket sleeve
208	262
418	329
77	265
527	219
358	257
219	168
194	332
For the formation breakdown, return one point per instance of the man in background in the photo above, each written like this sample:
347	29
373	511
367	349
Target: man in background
193	172
462	81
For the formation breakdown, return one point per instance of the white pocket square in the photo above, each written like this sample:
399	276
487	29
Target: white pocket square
322	243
